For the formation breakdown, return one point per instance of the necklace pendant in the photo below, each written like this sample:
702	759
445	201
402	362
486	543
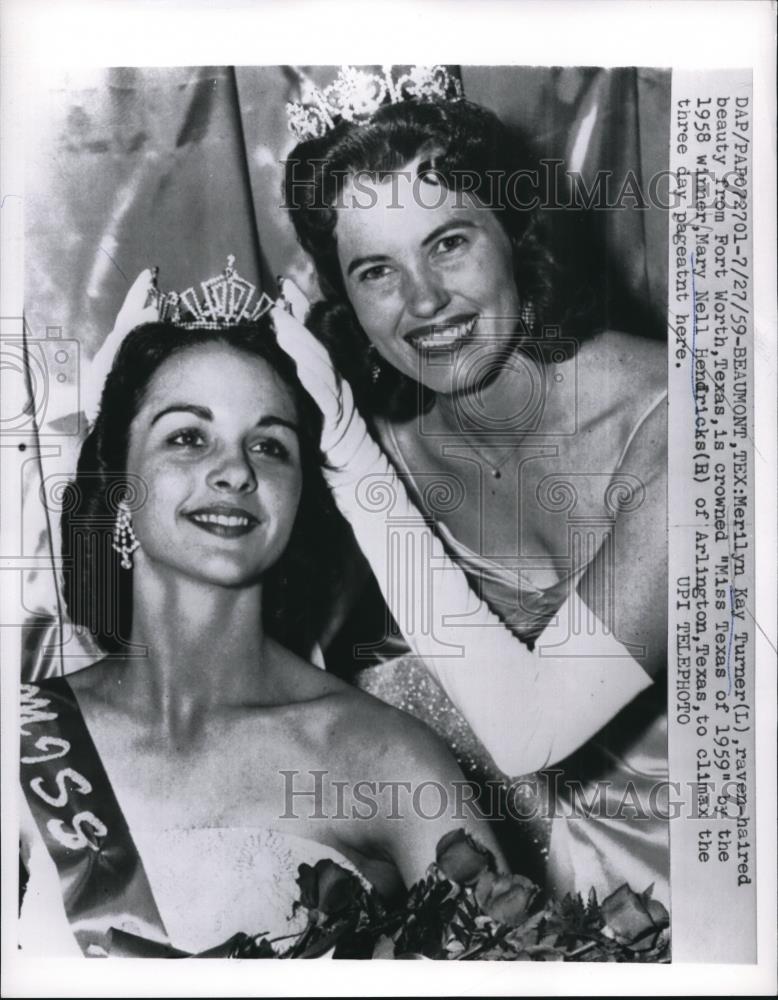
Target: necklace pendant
496	474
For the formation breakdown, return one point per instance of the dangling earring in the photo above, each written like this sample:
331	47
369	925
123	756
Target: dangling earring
124	541
527	317
375	364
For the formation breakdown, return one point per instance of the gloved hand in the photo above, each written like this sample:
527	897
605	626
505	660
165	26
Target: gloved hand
140	306
345	438
529	709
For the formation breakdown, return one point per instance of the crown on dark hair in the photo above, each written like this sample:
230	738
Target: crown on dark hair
227	300
355	95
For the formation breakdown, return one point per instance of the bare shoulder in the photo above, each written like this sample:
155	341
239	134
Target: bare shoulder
298	680
644	365
389	738
620	378
630	365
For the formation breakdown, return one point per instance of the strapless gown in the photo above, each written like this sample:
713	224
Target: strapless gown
208	884
626	762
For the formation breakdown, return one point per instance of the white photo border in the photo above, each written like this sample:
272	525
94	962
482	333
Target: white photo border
38	34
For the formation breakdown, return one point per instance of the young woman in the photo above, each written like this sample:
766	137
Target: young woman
175	786
549	449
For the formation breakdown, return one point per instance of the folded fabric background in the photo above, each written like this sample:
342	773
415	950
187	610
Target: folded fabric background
129	167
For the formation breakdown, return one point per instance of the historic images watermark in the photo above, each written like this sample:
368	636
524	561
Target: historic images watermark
319	794
547	187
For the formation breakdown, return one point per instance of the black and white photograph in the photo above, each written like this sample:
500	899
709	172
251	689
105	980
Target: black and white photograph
382	456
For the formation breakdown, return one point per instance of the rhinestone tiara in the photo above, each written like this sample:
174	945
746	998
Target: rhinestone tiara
227	300
355	95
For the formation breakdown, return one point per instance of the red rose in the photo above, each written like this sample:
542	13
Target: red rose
631	918
461	858
326	888
505	898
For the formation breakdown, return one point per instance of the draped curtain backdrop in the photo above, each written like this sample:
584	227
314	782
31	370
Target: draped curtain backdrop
180	167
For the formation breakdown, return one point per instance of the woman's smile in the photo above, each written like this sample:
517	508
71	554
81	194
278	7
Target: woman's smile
445	335
223	520
216	442
432	283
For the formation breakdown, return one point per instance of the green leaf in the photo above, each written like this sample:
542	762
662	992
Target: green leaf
459	932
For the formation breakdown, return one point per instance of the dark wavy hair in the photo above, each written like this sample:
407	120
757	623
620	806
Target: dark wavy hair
297	590
466	146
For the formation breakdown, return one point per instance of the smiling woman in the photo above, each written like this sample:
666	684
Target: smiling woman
254	479
397	212
432	239
153	438
532	442
204	546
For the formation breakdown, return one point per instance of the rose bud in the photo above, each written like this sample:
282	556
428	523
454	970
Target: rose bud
505	898
462	859
629	916
326	888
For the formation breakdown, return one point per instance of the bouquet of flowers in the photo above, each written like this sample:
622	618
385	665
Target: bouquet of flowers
464	909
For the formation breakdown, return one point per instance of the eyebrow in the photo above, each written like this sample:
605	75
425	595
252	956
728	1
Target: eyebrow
429	238
205	414
451	224
272	421
199	411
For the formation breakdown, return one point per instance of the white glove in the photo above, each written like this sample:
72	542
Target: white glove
134	311
345	438
530	709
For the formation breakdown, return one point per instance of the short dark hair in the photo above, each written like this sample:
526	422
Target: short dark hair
465	143
298	590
